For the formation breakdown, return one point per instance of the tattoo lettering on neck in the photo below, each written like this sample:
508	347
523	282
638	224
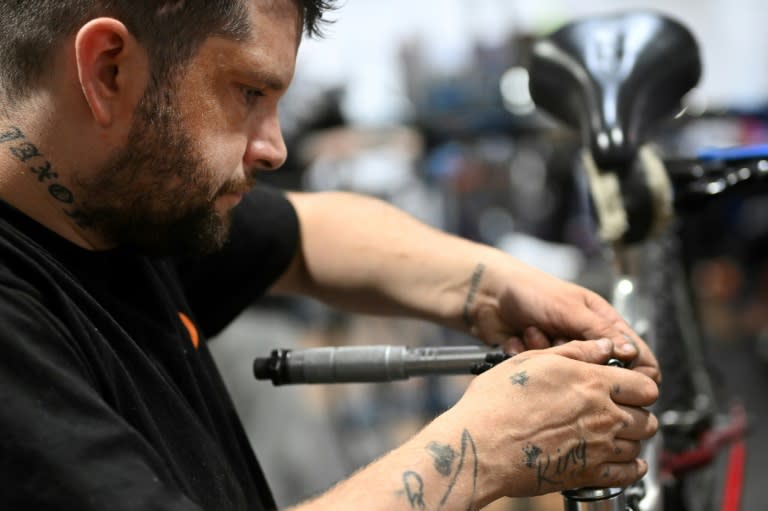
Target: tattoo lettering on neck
25	152
554	470
29	154
520	378
443	456
61	194
44	172
10	134
474	284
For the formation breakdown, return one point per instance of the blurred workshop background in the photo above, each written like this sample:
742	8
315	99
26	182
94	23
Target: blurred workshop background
425	103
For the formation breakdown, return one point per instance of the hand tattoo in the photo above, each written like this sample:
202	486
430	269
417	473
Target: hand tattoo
520	378
532	453
550	469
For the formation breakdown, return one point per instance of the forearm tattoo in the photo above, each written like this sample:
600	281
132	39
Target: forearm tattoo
474	284
414	489
444	455
449	464
30	155
553	470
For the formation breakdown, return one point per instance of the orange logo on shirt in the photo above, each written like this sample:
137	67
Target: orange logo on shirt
191	328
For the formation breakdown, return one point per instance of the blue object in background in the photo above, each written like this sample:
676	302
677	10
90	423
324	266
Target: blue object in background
747	152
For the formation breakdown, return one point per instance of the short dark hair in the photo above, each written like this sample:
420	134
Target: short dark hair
171	31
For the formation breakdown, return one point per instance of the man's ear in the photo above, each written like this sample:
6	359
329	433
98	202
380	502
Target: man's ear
112	68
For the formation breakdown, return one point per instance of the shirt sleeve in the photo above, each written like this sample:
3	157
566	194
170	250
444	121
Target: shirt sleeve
264	239
61	445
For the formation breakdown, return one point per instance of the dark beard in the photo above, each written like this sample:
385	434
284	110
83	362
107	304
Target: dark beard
154	194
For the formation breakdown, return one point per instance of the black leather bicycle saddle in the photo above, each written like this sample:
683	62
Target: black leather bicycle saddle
614	77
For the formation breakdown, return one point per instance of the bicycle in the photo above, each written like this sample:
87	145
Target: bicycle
615	79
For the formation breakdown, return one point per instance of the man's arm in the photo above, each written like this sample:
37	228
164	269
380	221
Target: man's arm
364	255
541	422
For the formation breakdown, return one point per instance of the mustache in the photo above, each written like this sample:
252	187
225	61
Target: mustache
240	186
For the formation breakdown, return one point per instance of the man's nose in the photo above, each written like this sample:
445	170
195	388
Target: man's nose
266	147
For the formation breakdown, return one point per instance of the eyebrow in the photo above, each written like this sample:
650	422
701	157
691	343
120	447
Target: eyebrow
269	80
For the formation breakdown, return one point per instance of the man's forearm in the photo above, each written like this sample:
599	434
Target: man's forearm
364	255
437	469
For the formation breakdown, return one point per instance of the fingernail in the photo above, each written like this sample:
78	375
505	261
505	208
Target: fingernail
605	345
628	349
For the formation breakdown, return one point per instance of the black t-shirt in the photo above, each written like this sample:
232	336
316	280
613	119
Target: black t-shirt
109	397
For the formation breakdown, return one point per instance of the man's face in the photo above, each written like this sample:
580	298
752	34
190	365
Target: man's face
196	145
154	193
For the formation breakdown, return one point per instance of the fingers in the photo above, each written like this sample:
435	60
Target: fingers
489	327
535	339
532	339
621	474
632	349
624	451
629	387
623	465
593	352
638	424
512	345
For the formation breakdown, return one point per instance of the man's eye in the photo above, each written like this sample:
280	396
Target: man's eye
251	94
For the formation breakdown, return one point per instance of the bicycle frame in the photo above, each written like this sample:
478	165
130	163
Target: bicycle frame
630	301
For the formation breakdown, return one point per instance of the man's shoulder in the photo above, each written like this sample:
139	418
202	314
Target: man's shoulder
25	265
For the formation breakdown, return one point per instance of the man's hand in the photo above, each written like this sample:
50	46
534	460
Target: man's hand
555	419
386	262
533	310
542	421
